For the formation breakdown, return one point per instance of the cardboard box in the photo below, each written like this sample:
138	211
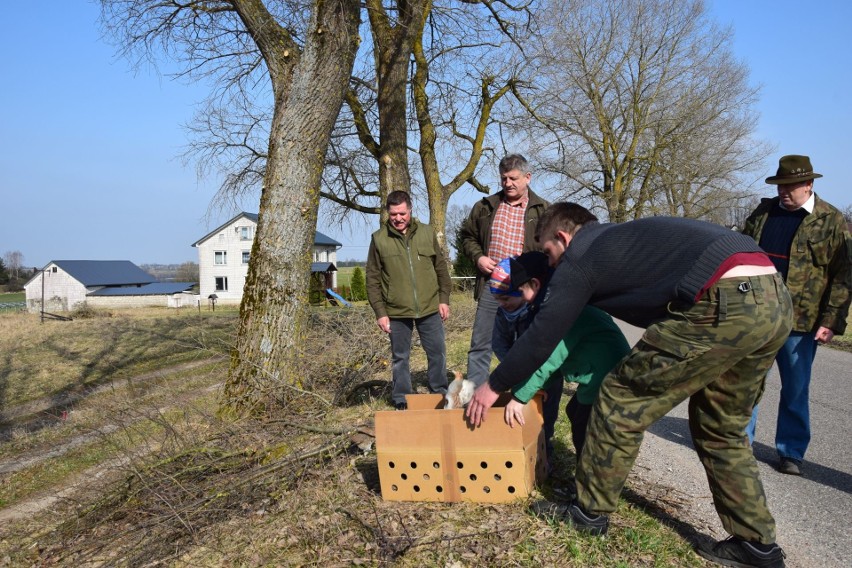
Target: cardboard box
427	453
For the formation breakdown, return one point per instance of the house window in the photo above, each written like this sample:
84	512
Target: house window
246	255
221	283
245	233
220	257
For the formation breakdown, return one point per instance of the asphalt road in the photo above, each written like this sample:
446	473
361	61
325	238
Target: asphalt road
813	513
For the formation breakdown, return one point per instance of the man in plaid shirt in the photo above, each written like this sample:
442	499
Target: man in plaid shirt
498	226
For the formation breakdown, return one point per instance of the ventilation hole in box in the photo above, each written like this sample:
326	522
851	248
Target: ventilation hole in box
413	465
497	477
436	465
463	489
404	476
439	489
416	488
511	489
394	488
391	465
508	465
426	476
473	477
483	465
460	465
486	489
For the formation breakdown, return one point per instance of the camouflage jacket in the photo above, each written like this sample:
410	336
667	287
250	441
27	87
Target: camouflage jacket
820	273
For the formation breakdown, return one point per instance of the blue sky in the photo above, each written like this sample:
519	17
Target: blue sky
89	152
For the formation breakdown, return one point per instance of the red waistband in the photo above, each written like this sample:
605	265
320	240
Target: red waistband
737	259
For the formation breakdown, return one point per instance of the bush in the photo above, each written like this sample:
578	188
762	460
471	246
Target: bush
358	284
463	265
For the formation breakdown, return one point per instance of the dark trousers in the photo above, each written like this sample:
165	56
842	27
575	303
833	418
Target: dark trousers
431	331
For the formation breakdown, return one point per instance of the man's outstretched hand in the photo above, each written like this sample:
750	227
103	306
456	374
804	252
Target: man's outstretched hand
483	398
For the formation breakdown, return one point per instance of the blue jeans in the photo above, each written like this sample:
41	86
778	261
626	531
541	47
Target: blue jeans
479	354
793	430
431	330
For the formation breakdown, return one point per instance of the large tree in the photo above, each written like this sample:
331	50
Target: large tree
14	261
306	51
418	113
425	89
642	108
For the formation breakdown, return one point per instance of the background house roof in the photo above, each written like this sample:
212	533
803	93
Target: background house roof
105	272
323	267
153	289
319	238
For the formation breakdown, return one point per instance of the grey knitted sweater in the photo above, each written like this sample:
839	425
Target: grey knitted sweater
632	271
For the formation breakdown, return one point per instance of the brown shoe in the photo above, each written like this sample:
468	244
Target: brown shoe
789	466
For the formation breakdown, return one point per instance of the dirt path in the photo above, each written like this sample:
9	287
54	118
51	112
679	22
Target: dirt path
95	474
85	479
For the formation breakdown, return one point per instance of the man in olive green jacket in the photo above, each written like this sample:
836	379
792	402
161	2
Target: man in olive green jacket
807	240
408	286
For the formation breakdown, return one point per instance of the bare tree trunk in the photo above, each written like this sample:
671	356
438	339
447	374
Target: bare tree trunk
393	52
308	97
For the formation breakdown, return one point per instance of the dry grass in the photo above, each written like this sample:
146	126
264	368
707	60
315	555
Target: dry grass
59	359
288	489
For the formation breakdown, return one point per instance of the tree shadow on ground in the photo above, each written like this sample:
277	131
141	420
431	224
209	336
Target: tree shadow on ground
122	347
676	430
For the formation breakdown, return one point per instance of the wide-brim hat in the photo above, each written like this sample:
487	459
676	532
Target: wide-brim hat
793	169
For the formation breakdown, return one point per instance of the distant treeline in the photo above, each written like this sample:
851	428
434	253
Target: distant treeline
186	272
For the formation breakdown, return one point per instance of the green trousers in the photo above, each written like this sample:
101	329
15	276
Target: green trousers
716	353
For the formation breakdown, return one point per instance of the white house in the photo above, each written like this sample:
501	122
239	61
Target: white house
63	285
223	257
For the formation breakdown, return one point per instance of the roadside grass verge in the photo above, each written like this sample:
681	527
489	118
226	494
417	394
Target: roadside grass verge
844	342
291	488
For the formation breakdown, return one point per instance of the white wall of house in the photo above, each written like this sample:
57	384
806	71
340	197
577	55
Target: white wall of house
223	260
327	254
61	291
183	299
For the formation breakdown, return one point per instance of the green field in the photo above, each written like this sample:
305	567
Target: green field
344	275
12	297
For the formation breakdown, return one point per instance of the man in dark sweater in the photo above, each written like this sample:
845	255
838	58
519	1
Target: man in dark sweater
716	313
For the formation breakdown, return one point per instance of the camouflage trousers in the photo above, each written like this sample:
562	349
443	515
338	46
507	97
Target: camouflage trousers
716	353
